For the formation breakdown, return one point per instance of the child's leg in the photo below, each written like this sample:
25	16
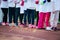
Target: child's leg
55	21
29	16
25	14
17	13
10	14
32	17
41	20
21	18
56	18
5	11
37	18
13	14
47	19
29	11
52	19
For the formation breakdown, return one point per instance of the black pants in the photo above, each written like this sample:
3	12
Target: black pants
5	12
11	14
17	14
25	17
21	18
37	18
30	15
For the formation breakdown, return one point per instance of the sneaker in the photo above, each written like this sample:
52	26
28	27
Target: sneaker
25	25
3	24
30	26
15	25
10	24
33	26
7	24
39	28
48	28
36	26
22	24
54	28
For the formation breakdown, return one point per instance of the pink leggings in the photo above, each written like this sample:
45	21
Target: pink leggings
44	18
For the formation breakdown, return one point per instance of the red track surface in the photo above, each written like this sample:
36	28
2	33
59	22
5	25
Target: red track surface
20	33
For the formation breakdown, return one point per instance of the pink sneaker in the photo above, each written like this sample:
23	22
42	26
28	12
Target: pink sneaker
21	24
30	26
3	24
37	27
7	23
33	26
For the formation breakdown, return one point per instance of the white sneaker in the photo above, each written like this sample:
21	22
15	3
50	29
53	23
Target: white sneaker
10	24
30	25
48	28
15	25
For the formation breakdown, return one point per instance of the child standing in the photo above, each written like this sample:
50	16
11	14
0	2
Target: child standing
21	12
37	10
25	12
11	11
17	11
31	13
4	7
55	15
44	14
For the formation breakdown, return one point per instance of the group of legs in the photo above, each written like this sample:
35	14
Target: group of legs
49	19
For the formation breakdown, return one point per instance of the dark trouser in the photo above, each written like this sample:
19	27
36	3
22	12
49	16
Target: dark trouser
37	18
5	12
31	16
21	18
17	14
11	13
25	15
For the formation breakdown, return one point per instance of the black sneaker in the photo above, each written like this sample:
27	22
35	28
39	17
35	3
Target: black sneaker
54	28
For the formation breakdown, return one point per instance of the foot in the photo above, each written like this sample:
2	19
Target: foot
30	26
10	24
48	28
54	28
39	28
33	26
3	24
7	24
15	25
23	25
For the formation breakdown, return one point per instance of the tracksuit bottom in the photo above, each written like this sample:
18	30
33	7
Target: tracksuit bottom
30	15
54	19
44	18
